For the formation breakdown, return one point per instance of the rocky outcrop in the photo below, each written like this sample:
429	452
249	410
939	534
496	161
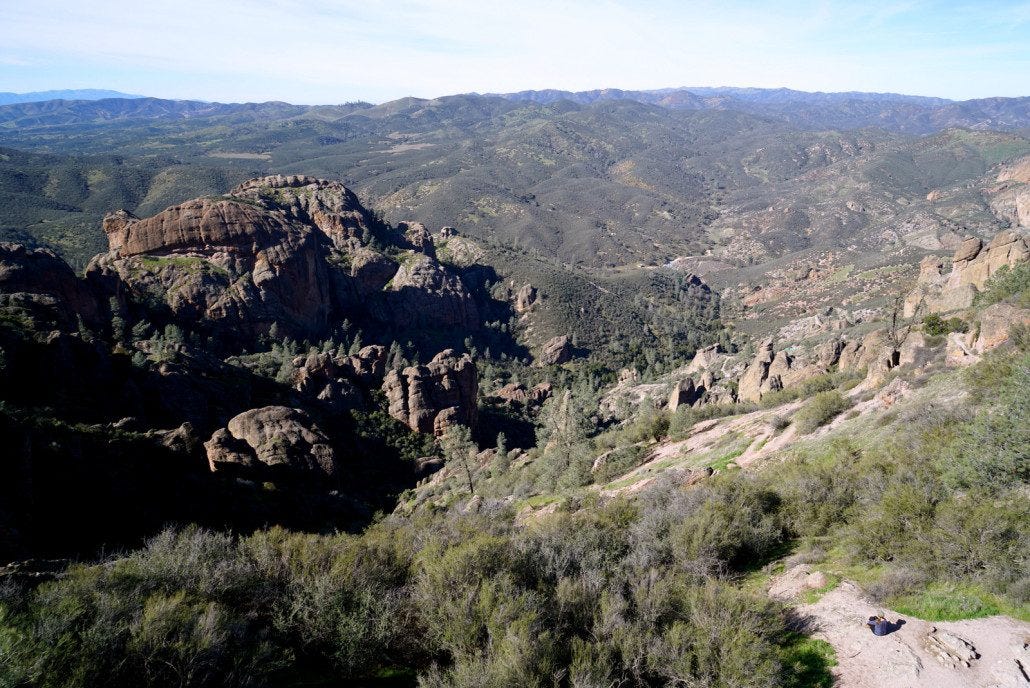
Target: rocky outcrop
915	351
272	440
516	393
290	251
949	649
225	262
325	204
829	320
525	297
368	366
556	351
993	329
971	266
1010	197
433	397
424	294
37	283
684	393
418	238
704	358
371	271
753	383
336	380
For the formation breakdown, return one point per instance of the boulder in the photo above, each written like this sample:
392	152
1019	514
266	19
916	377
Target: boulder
425	466
418	237
828	353
967	250
525	297
436	396
996	324
704	358
556	351
368	366
960	351
849	355
914	351
321	376
516	393
949	649
750	386
816	580
275	440
683	394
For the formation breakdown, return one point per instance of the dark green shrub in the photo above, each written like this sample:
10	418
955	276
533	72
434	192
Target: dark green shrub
737	523
820	409
935	326
1006	284
992	451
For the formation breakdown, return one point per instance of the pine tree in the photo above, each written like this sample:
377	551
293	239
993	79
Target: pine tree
458	448
500	465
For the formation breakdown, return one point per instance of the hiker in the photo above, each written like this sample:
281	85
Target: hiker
878	625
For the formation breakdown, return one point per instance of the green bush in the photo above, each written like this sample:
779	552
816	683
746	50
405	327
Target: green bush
992	451
1006	284
935	326
820	409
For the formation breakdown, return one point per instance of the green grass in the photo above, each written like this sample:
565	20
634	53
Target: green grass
721	463
840	274
537	501
949	602
807	662
192	264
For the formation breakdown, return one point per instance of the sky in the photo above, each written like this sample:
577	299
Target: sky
335	51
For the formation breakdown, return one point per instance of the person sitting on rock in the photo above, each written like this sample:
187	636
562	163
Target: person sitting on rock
878	624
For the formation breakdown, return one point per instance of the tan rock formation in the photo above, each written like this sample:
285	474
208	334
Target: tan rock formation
556	351
525	297
749	388
972	265
433	397
704	358
290	251
684	393
424	294
516	393
273	437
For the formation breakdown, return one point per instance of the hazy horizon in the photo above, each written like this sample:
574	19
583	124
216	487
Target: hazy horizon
484	93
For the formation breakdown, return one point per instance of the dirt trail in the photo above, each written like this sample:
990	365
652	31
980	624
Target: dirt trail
902	658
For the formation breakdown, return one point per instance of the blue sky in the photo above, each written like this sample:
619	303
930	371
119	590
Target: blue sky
331	51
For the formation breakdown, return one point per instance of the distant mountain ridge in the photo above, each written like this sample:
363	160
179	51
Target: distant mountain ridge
668	96
846	110
9	98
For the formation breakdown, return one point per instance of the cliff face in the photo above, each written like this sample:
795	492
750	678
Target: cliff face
434	397
291	251
42	286
971	266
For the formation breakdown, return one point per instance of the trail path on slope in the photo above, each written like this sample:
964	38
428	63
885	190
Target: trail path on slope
901	659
